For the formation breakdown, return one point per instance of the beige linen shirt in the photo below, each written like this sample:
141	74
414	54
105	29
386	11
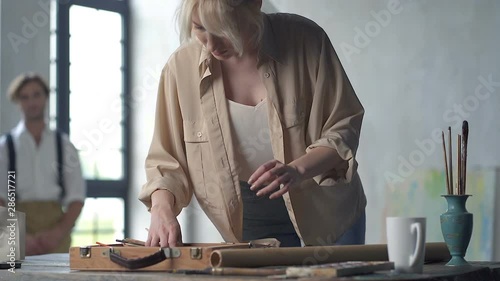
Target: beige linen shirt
311	103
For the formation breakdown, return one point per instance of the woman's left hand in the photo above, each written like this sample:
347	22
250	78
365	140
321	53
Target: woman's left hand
278	177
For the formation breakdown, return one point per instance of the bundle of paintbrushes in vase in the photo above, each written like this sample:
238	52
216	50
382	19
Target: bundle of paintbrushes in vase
456	222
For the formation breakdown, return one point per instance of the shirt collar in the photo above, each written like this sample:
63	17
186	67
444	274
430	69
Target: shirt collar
205	60
268	46
205	56
21	130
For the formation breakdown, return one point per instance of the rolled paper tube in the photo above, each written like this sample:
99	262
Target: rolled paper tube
434	252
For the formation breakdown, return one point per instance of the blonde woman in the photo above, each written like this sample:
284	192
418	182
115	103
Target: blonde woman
255	116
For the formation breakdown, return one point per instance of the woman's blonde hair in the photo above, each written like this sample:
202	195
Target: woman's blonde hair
224	18
21	80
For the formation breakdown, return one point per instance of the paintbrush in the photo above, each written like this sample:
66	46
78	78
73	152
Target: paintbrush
446	165
131	242
450	160
465	140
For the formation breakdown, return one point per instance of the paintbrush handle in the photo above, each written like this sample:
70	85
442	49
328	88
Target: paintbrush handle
450	159
446	165
464	168
465	140
132	241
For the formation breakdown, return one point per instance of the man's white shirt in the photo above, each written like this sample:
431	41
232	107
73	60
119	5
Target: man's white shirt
36	167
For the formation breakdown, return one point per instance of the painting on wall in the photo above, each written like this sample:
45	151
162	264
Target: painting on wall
420	195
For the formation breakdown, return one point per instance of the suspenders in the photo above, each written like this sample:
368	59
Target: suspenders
60	179
12	153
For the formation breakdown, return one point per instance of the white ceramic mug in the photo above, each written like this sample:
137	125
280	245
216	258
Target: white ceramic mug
406	243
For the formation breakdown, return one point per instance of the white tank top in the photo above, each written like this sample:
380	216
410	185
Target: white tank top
251	135
262	217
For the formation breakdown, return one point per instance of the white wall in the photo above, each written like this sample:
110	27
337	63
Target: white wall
24	46
1	35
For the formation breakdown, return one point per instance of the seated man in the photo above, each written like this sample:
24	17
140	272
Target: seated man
47	171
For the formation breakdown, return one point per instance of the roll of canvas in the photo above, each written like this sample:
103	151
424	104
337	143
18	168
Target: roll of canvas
434	252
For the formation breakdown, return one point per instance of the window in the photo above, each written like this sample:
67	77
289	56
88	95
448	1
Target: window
89	94
95	83
100	221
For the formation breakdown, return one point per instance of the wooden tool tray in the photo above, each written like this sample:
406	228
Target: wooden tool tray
119	257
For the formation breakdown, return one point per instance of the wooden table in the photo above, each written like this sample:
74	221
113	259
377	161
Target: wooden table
56	267
480	271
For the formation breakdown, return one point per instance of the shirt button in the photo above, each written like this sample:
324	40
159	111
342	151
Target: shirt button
199	134
267	75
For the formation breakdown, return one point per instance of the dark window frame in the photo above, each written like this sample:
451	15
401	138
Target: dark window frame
95	188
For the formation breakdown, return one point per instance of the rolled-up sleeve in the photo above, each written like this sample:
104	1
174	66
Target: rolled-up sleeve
336	116
166	158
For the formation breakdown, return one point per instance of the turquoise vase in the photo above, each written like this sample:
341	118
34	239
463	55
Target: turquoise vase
456	225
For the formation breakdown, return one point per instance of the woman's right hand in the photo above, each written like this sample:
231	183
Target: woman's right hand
164	230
